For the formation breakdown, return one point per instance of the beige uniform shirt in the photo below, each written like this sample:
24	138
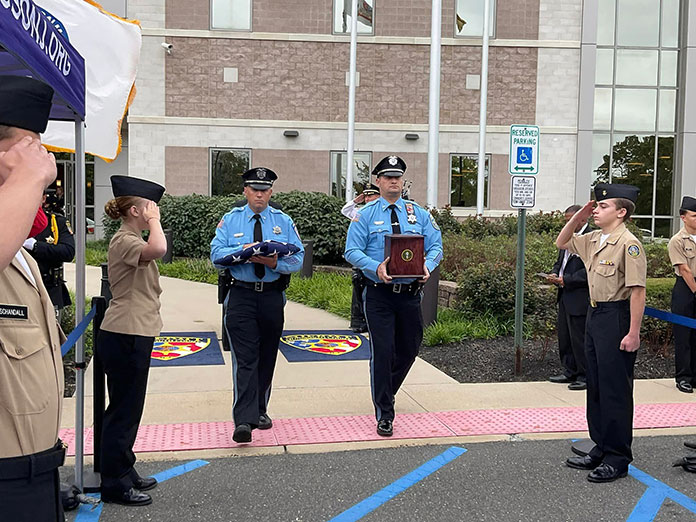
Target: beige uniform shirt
31	367
135	306
682	251
615	266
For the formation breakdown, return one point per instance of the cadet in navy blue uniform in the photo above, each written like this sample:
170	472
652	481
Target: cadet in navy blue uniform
254	305
392	309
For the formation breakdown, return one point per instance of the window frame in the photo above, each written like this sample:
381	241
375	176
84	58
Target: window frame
334	152
251	19
210	162
347	33
494	25
487	193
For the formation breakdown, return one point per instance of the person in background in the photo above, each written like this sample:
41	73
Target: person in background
573	298
128	331
682	254
350	210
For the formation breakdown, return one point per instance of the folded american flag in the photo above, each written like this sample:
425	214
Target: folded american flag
267	248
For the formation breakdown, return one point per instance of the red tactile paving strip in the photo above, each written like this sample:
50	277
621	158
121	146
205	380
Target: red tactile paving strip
317	430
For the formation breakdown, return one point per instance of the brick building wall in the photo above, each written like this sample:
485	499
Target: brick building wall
186	170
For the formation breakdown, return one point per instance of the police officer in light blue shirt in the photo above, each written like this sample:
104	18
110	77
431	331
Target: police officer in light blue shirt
254	307
392	308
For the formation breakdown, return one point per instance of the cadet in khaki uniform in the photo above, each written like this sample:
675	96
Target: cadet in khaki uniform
616	271
128	332
31	369
682	254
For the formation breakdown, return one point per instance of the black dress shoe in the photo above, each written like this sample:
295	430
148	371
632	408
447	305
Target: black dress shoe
685	387
585	462
606	473
145	484
359	329
385	428
132	497
242	433
688	463
691	445
560	379
577	385
265	422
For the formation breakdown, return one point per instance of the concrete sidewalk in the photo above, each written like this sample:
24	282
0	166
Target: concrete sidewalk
190	394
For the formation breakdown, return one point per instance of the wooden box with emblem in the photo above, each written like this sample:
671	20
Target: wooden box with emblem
406	253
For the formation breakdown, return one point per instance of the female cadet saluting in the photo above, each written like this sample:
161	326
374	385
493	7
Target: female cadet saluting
128	331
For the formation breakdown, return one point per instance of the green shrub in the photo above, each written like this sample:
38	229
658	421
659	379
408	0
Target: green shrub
657	256
330	292
190	269
193	219
452	326
446	220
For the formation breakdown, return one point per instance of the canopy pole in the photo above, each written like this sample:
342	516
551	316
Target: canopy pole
351	98
80	221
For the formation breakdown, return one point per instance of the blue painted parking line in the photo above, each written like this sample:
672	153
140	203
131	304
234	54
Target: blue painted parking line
384	495
651	501
91	513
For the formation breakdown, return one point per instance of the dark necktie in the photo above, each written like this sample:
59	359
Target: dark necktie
396	228
259	269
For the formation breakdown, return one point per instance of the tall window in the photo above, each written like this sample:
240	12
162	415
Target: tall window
362	166
65	187
233	15
226	169
342	16
468	18
635	104
464	180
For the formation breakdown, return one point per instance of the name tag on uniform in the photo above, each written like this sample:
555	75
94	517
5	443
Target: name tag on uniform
239	234
14	312
606	262
379	222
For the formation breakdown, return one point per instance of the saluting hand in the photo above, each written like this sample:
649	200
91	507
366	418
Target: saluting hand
382	271
360	199
586	211
151	211
32	159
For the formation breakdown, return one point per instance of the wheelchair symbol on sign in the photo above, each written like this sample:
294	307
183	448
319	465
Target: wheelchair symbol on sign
524	155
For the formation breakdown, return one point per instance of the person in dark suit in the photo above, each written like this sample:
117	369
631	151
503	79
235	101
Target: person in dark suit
573	298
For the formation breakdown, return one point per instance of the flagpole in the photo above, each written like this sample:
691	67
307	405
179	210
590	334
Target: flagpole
434	102
351	98
480	175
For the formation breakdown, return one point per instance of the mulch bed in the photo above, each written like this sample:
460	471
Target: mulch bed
494	361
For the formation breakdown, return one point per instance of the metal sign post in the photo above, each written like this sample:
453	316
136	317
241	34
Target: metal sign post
524	159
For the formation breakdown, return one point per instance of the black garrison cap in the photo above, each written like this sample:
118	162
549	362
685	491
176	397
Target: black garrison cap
25	103
129	186
371	190
259	178
390	166
688	203
616	190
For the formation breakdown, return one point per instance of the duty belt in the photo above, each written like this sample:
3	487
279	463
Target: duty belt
260	286
397	288
609	304
28	466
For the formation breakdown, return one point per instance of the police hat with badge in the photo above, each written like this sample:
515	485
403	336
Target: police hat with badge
688	203
392	166
616	190
129	186
259	178
25	103
371	190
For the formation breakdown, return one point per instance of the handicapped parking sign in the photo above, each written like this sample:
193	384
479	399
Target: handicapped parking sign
524	150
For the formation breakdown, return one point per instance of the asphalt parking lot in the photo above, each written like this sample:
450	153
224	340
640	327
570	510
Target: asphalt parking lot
497	481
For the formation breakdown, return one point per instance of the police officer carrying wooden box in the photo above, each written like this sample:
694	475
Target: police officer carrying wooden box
254	307
392	308
52	247
616	273
682	254
31	369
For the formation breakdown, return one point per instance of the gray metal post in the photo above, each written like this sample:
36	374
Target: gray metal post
80	272
430	298
169	255
308	263
519	289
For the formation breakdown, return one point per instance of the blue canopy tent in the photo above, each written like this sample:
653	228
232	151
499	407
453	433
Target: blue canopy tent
30	45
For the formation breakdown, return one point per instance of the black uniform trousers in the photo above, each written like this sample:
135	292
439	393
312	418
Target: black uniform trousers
254	323
684	303
126	363
571	343
357	312
30	487
395	324
609	383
